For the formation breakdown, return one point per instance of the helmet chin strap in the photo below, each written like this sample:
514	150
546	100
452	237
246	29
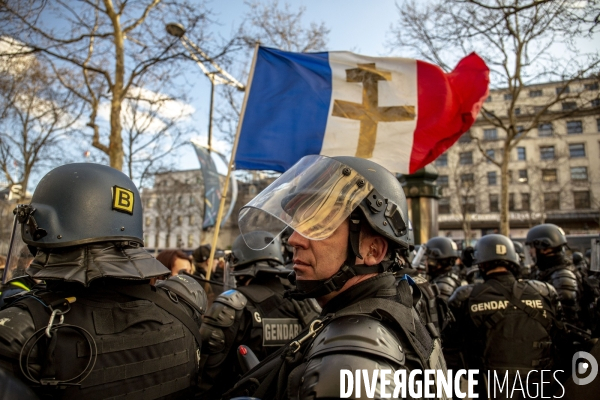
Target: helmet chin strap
316	288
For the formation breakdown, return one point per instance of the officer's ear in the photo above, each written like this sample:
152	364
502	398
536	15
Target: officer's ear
375	249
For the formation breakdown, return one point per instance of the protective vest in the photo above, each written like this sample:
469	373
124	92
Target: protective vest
433	310
568	286
257	316
514	322
115	346
308	367
447	284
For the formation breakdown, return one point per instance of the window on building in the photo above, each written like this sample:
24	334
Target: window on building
192	200
442	160
508	96
444	205
549	175
490	134
523	176
521	154
574	127
190	241
156	241
579	174
598	125
179	241
442	180
525	206
491	153
468	204
517	111
509	173
569	105
492	178
535	93
169	220
179	220
595	103
576	150
465	138
192	220
489	98
157	222
563	90
511	202
581	200
465	158
547	152
167	241
545	129
494	204
551	201
148	221
467	179
591	86
180	200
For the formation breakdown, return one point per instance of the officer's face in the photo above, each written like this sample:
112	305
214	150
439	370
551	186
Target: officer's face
320	259
180	265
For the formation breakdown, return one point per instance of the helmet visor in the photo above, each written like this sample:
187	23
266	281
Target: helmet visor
313	197
19	257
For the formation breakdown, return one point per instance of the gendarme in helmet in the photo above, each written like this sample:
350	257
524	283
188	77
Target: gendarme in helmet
316	195
249	262
546	244
494	250
81	218
441	253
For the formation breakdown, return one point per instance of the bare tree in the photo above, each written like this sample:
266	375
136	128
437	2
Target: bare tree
111	47
517	40
38	117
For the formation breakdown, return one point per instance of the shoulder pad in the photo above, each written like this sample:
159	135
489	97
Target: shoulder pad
186	289
543	288
358	333
213	336
447	285
232	298
563	273
460	295
223	310
419	280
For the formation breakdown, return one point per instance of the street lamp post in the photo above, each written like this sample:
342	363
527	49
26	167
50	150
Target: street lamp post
217	77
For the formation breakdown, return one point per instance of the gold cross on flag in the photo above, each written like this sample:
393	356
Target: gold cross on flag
368	112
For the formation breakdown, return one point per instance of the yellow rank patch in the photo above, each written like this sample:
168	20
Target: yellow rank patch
122	199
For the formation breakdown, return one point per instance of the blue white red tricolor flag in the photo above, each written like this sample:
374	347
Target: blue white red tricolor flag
398	112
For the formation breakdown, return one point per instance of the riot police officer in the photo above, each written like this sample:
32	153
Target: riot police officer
255	314
504	325
524	268
580	264
546	244
98	329
441	254
349	217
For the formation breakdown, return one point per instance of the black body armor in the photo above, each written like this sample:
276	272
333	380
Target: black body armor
446	284
568	285
257	316
115	341
343	338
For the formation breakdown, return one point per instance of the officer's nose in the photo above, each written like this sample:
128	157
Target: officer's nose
298	241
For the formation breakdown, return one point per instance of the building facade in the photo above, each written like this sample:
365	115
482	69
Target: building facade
554	169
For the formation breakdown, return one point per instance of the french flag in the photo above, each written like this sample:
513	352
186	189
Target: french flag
400	113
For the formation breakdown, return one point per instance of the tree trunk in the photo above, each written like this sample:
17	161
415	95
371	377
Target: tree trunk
504	216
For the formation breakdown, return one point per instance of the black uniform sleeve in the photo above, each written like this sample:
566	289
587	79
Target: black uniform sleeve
16	326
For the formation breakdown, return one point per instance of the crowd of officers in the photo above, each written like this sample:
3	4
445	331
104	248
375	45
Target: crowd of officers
88	313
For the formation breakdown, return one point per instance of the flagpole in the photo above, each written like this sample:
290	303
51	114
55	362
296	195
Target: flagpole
213	246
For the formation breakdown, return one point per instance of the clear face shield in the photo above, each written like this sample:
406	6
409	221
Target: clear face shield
19	257
313	197
595	255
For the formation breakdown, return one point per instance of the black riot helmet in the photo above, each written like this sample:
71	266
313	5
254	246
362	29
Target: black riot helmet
546	243
316	195
520	250
79	205
82	203
441	254
577	257
248	262
496	250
